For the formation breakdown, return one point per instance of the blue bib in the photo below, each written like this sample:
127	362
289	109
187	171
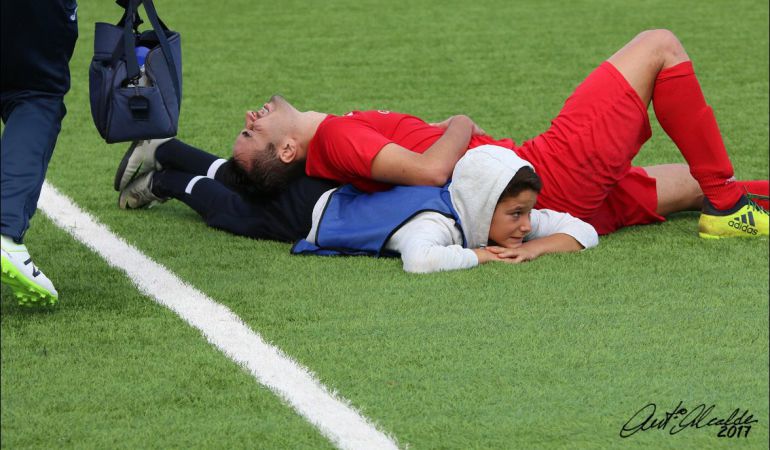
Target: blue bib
357	223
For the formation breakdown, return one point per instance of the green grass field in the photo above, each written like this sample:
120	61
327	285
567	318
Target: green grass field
557	353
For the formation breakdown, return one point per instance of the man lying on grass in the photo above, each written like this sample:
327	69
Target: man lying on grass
584	158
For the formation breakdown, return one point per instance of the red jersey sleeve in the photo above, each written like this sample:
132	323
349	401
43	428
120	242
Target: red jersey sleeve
343	149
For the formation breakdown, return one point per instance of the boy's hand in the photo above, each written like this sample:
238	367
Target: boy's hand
484	255
515	255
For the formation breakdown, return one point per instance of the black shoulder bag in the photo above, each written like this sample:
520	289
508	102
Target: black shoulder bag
135	78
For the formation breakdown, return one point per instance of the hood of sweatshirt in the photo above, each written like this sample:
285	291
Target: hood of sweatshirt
477	182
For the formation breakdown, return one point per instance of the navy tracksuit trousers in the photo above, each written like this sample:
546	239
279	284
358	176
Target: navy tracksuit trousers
284	216
38	38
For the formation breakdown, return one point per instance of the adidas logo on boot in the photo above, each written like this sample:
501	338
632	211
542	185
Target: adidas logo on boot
744	223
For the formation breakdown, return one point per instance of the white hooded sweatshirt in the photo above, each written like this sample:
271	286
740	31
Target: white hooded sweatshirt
431	242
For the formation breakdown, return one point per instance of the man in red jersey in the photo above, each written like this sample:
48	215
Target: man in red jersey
584	158
370	149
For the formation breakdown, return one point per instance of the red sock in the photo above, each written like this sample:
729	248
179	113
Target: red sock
687	119
757	187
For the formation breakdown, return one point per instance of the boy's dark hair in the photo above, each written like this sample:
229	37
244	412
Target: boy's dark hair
262	180
524	179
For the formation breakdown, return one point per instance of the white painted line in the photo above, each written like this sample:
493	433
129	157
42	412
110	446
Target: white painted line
332	415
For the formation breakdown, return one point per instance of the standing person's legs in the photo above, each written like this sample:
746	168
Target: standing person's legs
32	124
37	42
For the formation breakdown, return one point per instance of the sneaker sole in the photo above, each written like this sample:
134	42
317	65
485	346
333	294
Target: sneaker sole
122	168
728	236
26	292
128	208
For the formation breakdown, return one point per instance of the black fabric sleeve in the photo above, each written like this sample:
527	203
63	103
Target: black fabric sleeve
285	216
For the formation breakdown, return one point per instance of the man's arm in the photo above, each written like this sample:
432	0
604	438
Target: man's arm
395	164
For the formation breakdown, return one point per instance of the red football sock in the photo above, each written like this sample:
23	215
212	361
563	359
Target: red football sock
757	187
687	119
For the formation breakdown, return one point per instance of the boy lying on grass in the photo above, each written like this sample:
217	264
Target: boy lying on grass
484	214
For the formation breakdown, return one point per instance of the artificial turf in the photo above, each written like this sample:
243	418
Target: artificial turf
556	353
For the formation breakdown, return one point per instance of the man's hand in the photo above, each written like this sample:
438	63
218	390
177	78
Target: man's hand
395	164
477	131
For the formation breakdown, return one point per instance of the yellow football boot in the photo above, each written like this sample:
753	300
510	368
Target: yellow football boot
746	219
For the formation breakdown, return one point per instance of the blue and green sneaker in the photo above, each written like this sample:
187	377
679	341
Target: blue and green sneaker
30	286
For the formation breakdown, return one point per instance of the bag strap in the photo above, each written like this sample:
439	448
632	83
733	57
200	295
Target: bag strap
131	22
160	31
137	20
125	46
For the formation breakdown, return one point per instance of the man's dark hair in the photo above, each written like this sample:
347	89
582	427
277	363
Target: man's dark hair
267	176
524	179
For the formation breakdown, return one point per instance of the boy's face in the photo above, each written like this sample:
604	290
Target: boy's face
510	221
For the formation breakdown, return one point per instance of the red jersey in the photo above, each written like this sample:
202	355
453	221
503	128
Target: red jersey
344	147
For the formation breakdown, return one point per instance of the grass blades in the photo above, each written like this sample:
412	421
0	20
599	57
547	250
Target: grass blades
112	369
557	353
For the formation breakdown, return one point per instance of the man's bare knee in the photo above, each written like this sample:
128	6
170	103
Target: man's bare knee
665	45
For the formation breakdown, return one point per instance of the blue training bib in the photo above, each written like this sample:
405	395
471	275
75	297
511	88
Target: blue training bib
358	223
